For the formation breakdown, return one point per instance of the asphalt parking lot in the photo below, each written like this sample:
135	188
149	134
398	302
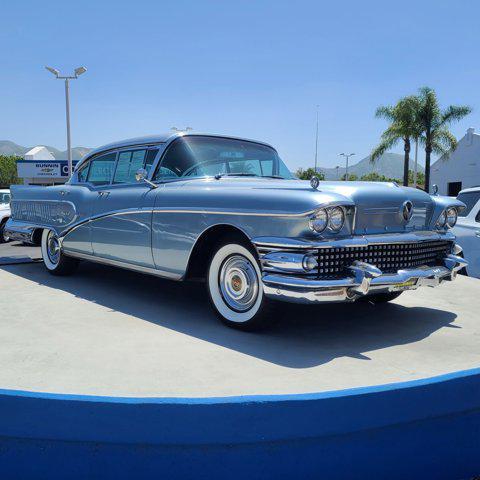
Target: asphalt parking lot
108	331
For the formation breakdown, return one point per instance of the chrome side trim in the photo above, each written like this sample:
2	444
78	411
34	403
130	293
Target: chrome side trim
132	211
127	266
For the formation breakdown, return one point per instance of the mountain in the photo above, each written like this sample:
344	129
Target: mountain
389	164
10	148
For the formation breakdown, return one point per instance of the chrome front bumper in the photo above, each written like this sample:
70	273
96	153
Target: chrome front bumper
284	273
366	279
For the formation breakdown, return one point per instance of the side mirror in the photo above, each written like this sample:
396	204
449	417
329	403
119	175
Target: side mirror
141	176
434	189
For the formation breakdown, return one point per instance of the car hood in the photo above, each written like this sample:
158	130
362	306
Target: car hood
378	204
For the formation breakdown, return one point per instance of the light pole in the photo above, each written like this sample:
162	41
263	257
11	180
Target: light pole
77	72
316	142
415	165
347	156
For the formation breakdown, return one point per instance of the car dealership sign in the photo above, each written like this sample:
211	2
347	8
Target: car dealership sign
42	168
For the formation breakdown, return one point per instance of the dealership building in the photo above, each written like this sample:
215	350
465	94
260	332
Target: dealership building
458	169
39	167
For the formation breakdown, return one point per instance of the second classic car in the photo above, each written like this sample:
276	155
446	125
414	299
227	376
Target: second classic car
227	210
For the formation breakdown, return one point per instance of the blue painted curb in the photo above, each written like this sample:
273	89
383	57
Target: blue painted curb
418	429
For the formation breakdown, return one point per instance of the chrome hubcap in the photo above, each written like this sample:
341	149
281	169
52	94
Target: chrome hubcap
238	283
53	248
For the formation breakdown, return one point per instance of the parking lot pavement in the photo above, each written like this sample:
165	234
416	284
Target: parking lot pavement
17	252
108	331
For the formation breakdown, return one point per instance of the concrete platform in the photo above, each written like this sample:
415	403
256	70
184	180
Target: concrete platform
110	332
17	252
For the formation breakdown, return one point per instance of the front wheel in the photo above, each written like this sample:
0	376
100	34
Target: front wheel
56	262
235	287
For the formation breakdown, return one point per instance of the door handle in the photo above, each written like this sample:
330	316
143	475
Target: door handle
477	233
64	192
103	193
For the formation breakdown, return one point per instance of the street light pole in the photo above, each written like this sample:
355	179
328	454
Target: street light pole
78	71
316	143
347	156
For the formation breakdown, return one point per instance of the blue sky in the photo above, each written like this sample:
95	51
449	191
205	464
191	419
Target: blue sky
249	68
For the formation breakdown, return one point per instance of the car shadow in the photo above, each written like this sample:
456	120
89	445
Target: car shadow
300	337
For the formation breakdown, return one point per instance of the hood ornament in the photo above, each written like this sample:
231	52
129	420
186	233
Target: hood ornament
314	182
407	210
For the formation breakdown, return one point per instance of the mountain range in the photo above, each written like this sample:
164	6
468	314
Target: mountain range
11	148
389	164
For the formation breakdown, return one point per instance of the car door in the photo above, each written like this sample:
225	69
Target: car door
467	231
122	209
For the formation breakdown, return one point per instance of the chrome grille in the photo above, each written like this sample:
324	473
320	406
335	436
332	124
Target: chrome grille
388	258
42	212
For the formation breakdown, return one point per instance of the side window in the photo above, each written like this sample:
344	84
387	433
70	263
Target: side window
83	172
101	169
177	160
127	165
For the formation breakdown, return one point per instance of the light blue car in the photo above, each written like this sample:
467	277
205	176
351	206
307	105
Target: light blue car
228	210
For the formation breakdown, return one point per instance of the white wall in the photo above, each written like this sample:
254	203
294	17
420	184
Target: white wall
38	153
463	165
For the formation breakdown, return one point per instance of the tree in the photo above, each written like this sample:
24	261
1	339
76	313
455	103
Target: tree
403	127
8	170
376	177
351	177
308	174
434	123
420	178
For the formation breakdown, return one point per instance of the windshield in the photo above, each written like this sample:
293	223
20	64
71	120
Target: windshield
193	156
4	197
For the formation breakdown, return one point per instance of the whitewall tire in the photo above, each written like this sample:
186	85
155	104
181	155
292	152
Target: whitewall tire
53	258
235	287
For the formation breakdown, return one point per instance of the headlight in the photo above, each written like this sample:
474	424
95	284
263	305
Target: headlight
319	220
336	218
451	216
442	220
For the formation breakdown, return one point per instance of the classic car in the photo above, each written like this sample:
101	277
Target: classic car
4	213
467	230
227	210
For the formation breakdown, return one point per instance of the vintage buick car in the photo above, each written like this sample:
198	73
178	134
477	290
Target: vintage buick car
227	210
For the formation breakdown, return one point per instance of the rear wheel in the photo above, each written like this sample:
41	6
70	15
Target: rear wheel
235	287
56	262
382	297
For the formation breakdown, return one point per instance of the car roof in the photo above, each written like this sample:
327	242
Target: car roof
471	189
157	139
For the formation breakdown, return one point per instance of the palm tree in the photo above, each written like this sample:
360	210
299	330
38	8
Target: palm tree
403	127
434	123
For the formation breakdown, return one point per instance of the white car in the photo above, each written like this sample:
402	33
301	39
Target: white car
4	213
467	229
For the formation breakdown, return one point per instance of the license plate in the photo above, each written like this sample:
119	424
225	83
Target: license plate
404	285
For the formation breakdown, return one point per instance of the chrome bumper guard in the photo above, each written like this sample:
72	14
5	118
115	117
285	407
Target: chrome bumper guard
366	279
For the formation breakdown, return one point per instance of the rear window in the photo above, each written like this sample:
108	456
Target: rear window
469	199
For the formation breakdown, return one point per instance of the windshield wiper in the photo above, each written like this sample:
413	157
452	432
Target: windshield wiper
220	175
